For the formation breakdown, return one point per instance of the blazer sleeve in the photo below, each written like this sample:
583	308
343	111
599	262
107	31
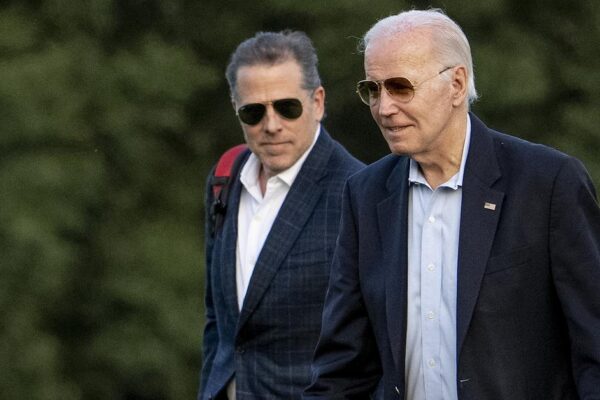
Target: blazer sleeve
346	362
575	262
210	338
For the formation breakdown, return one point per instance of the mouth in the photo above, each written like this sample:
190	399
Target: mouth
396	129
277	144
275	148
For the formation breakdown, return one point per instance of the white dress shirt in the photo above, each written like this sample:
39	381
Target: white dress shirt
433	235
257	214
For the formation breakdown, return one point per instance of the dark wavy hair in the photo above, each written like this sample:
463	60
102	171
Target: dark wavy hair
272	48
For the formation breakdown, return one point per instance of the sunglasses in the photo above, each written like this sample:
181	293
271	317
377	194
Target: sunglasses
400	89
253	113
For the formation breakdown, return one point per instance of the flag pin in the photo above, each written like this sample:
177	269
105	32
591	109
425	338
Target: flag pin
489	206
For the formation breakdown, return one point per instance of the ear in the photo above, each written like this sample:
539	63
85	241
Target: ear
318	99
459	85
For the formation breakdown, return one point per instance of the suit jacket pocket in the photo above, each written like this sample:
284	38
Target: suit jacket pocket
511	259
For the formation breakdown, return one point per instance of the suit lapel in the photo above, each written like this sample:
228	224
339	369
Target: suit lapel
480	212
394	241
229	243
293	215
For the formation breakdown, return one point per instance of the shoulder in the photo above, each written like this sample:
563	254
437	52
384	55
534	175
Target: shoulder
528	158
512	146
534	167
378	173
516	158
340	158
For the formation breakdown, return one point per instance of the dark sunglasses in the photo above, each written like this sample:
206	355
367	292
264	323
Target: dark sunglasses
401	89
253	113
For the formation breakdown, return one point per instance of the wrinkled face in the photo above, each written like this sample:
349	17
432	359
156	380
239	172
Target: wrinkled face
276	140
419	128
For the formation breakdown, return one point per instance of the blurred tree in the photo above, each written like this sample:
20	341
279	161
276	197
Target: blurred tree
112	113
101	205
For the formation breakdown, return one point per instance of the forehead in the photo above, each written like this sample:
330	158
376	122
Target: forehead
399	54
262	82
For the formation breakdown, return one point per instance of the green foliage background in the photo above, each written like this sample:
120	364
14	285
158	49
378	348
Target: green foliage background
111	113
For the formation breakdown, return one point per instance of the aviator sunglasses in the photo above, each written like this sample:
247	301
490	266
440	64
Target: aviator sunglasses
253	113
400	89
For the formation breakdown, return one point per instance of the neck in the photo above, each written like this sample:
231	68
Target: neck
442	164
263	177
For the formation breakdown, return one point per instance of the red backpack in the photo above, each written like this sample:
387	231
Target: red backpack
228	165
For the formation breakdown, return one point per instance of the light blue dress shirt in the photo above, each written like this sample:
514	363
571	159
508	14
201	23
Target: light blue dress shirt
433	234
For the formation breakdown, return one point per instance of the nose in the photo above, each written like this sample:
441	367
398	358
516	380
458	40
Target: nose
386	104
272	121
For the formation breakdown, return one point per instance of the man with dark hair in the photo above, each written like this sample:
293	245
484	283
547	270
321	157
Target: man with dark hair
468	261
267	267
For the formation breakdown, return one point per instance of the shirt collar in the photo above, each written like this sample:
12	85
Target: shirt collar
250	171
416	176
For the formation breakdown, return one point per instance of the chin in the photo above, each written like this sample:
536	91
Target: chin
279	165
398	149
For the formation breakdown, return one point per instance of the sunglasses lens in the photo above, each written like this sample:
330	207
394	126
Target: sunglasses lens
367	91
251	114
399	88
288	108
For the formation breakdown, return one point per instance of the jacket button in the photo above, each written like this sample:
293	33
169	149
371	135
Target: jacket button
239	350
397	390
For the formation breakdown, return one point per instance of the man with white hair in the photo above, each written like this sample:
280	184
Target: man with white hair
468	261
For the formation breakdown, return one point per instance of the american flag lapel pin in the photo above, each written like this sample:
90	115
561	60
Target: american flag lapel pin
489	206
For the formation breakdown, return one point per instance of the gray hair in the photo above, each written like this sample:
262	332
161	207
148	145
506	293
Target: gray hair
272	48
451	44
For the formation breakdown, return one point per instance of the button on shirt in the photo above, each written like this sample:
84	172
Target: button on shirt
433	234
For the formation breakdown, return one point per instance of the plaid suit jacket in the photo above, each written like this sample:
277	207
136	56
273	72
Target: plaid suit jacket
269	344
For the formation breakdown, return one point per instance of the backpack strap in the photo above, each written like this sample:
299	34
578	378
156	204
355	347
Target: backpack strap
227	166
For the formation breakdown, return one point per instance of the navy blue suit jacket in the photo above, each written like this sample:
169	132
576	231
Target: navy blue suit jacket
270	343
528	307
